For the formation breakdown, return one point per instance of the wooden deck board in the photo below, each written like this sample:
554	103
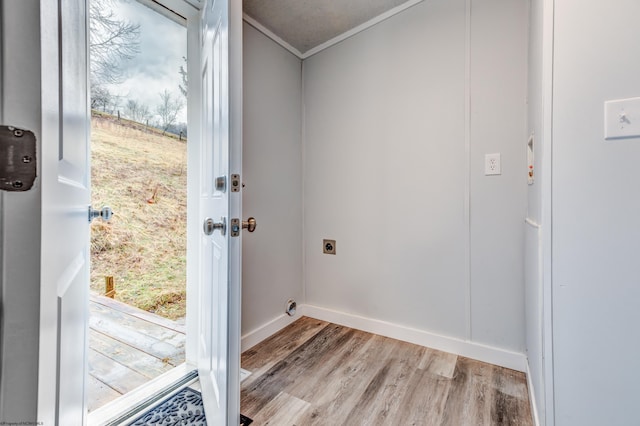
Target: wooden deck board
137	360
100	393
148	337
138	313
117	376
127	348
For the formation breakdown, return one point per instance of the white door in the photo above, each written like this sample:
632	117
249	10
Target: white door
220	204
65	225
66	195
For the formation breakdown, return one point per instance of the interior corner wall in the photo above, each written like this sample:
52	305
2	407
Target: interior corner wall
498	91
596	236
388	170
272	175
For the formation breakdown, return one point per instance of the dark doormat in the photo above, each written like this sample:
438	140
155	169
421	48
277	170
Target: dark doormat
183	408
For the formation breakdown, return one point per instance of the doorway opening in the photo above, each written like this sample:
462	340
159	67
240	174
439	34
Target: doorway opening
139	137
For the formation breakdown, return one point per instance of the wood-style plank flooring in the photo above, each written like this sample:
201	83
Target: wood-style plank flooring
319	373
127	348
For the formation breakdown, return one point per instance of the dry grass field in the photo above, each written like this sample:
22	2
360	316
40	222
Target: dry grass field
142	175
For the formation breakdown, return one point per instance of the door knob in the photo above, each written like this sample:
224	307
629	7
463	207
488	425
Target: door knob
209	226
105	213
249	224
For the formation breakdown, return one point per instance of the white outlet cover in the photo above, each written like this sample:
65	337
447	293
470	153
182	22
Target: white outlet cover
492	164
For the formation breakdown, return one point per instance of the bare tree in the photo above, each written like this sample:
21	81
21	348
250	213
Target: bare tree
168	109
100	98
137	111
185	79
111	41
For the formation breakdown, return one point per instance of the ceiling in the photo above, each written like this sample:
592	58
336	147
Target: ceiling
307	24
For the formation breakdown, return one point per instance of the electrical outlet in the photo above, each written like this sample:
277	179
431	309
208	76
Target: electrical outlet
492	164
329	246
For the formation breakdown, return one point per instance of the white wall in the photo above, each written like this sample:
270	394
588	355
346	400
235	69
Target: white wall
272	168
387	174
596	236
20	219
498	203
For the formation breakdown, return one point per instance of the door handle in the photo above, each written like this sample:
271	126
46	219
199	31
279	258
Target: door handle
210	226
105	213
249	224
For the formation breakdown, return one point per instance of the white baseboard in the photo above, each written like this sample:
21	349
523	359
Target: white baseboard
532	398
504	358
492	355
257	335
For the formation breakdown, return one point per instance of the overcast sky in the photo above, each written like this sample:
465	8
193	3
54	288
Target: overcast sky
163	43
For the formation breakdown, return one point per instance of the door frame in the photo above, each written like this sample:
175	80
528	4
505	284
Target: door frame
20	215
43	409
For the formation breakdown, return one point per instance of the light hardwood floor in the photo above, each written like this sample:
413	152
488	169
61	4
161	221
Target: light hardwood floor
318	373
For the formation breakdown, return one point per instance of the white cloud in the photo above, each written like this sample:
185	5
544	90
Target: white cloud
163	43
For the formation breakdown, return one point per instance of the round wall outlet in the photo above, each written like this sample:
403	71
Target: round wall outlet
291	307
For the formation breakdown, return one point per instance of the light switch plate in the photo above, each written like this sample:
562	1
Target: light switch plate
492	164
622	118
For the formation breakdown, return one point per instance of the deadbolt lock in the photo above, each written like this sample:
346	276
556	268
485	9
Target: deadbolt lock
221	183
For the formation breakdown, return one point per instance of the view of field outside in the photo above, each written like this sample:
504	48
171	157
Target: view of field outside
142	176
138	148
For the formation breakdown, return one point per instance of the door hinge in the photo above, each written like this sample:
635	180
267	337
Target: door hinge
17	159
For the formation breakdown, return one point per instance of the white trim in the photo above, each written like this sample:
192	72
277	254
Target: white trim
178	11
303	171
116	408
258	26
501	357
370	23
327	44
259	334
467	169
547	208
532	397
490	354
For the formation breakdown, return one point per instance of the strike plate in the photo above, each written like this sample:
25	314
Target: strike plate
235	183
235	227
17	159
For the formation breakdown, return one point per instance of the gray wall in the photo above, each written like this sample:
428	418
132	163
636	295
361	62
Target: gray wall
20	219
424	239
498	204
272	167
596	236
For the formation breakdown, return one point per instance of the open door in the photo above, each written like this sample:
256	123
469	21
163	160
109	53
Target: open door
65	180
220	209
65	216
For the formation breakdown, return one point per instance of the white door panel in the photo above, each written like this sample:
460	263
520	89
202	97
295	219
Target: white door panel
65	225
219	287
66	196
